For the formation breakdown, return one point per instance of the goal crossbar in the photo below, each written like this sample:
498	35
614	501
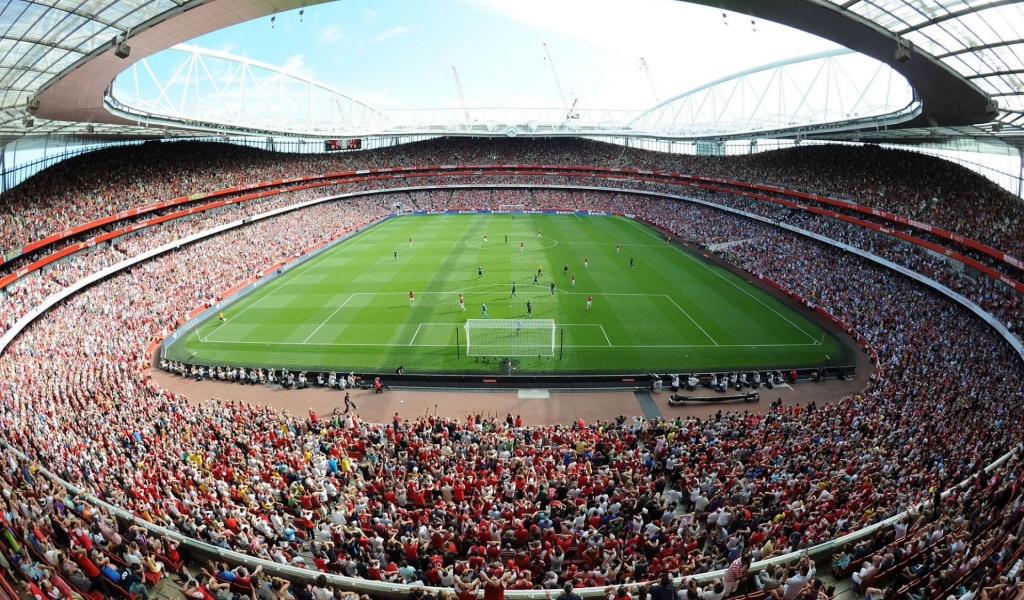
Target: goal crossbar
510	337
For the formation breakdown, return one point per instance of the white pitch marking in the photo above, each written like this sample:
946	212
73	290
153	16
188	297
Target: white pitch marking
329	318
415	334
692	320
329	254
404	345
735	285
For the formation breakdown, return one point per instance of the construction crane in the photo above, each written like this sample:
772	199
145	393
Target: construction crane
647	72
551	62
462	96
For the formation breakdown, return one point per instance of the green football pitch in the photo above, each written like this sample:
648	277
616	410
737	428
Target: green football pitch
673	310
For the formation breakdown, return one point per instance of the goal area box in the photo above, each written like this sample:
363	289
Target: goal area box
510	337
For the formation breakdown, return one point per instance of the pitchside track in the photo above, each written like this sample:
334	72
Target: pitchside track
672	311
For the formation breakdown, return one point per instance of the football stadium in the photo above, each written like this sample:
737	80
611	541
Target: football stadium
549	300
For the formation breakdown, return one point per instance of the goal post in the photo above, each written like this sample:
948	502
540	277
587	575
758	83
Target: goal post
510	337
511	208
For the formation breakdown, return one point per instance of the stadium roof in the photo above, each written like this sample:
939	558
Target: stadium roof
962	57
965	58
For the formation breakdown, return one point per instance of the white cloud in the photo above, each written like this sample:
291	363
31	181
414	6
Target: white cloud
228	46
394	32
596	46
679	33
330	35
296	63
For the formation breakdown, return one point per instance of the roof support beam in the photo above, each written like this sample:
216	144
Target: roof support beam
955	14
970	49
996	74
948	98
88	16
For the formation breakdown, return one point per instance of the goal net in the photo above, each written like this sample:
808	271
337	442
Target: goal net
510	337
510	208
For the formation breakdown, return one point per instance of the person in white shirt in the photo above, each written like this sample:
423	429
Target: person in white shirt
651	528
714	592
338	516
550	581
447	576
900	529
277	554
868	572
795	583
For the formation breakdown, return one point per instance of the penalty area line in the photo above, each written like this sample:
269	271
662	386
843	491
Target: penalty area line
692	320
329	318
415	334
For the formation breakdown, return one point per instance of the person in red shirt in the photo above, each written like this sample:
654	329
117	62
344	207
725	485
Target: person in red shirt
476	559
412	551
374	570
495	580
433	576
436	540
465	588
523	582
90	570
522	534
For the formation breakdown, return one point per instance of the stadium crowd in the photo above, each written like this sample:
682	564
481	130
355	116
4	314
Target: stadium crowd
113	180
29	292
205	167
430	499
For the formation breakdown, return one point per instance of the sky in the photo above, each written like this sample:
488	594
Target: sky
399	54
